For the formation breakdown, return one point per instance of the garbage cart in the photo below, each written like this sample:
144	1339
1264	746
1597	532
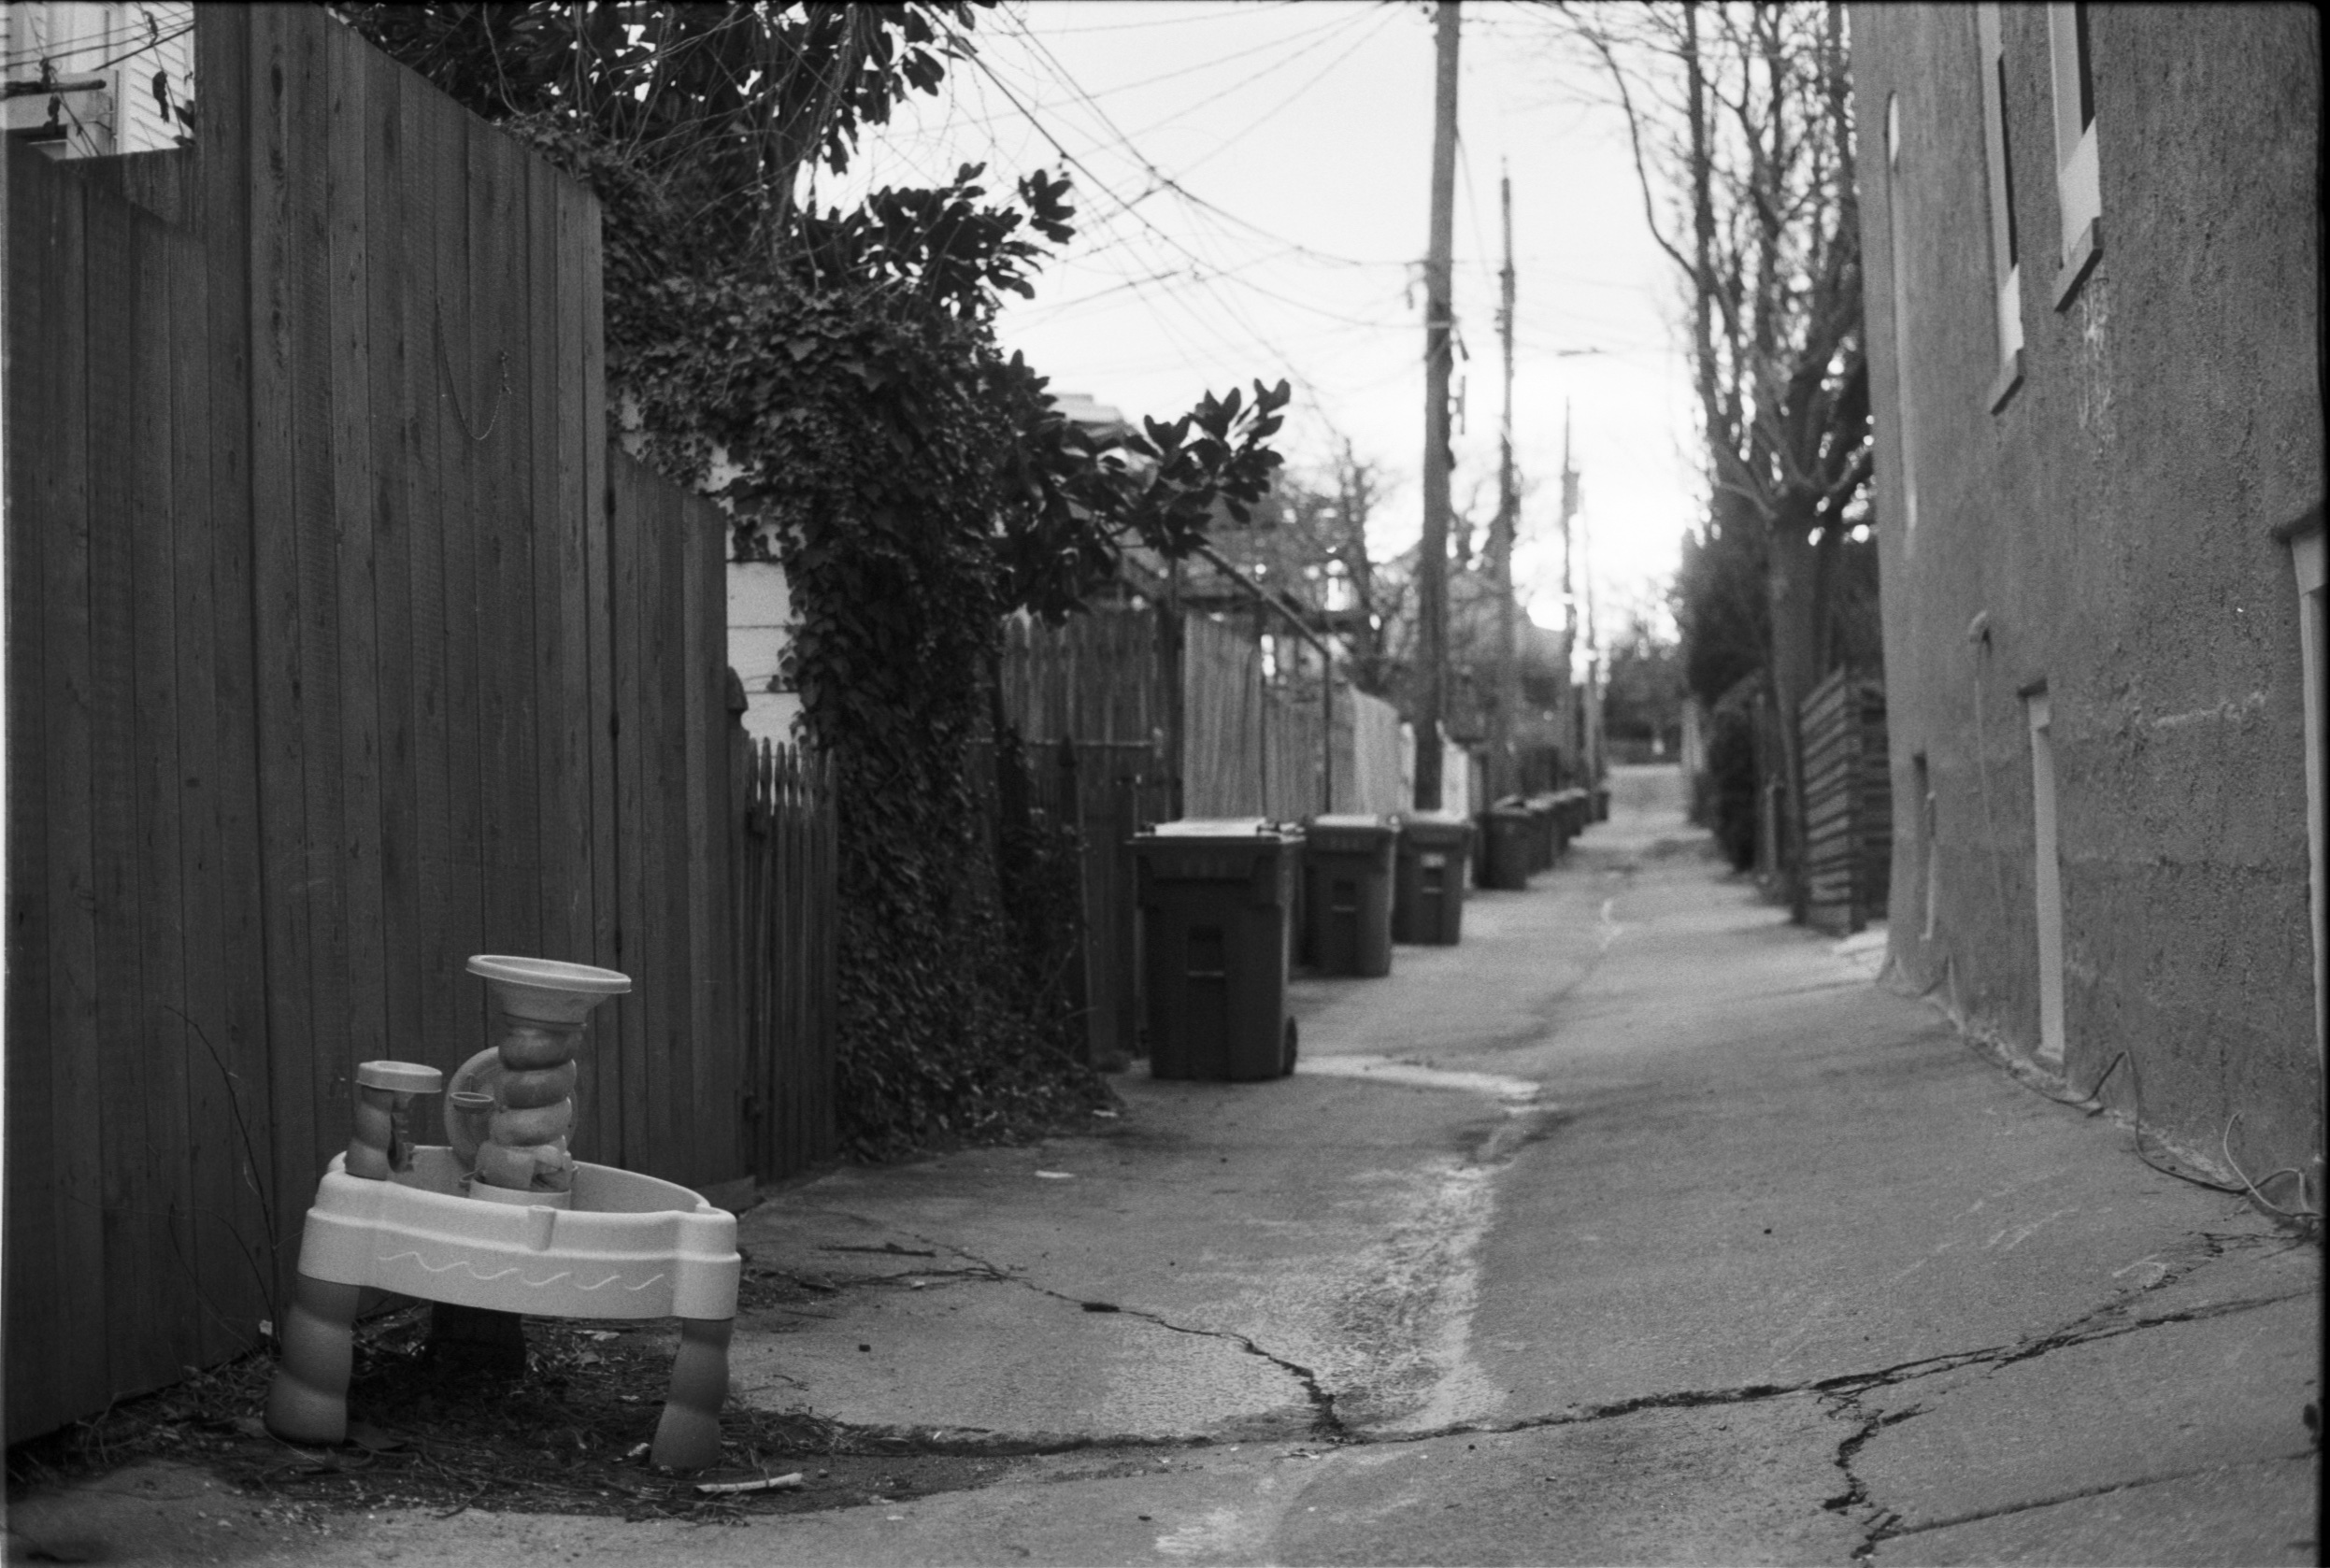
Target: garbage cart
1545	833
1347	893
1428	884
1576	808
1507	829
1216	900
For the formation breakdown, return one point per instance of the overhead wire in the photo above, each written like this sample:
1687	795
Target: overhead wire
1183	19
1101	186
1164	181
106	37
1216	61
1285	102
1232	273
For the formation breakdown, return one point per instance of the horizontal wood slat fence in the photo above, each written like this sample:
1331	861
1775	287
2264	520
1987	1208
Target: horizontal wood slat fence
1848	802
340	649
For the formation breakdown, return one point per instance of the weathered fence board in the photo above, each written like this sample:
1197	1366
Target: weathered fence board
315	689
1366	755
784	856
30	1148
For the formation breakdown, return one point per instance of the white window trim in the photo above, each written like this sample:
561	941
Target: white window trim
2079	186
2005	259
1899	260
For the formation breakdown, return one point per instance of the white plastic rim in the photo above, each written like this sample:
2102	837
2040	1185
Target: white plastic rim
400	1077
1213	827
551	973
1351	820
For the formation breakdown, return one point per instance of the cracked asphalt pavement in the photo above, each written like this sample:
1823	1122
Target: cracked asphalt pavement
1641	1227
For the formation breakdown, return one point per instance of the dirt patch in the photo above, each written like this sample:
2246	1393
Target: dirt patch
567	1433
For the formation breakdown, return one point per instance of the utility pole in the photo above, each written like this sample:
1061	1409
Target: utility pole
1503	779
1573	716
1589	696
1439	322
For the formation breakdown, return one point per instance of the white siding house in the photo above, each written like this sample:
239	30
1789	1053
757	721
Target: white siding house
87	79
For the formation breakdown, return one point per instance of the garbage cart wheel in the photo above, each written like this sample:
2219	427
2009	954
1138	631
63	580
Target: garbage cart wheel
1286	1058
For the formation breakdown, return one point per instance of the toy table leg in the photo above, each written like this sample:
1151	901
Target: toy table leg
307	1400
687	1436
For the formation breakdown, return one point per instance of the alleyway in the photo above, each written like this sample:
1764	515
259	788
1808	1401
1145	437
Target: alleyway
1639	1228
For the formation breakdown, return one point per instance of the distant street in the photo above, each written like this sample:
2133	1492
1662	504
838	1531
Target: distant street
1641	1227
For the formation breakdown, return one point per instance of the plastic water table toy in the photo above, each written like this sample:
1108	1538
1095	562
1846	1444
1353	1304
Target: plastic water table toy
503	1218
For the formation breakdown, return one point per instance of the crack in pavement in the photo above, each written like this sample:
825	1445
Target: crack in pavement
1897	1530
1840	1392
1843	1395
1325	1420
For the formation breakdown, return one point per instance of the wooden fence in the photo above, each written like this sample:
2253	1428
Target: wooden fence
1249	750
784	863
1368	755
1097	677
1848	802
339	650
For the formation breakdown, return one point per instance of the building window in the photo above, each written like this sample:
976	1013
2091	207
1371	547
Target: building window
2078	188
1898	261
2005	249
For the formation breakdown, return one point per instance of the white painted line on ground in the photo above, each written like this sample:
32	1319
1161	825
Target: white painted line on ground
1607	925
1382	1069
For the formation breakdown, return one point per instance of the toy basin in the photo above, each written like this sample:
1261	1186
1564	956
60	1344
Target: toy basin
545	991
630	1247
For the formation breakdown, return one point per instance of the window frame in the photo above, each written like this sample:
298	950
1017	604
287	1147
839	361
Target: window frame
2005	237
2079	186
1898	259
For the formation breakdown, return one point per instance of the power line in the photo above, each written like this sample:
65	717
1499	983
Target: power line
105	38
1285	102
1164	181
1102	187
47	57
1238	10
1215	62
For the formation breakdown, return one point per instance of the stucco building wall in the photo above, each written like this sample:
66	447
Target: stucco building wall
2108	532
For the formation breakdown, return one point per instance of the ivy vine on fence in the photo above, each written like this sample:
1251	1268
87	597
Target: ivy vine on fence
834	378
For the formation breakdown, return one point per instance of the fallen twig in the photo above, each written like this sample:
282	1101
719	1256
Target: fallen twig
760	1482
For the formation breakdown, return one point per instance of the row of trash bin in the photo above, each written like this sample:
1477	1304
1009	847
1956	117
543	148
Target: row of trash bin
1524	835
1227	905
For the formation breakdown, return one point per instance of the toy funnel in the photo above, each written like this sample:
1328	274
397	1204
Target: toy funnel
521	1090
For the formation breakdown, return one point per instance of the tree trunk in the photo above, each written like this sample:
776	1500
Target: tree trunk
1795	665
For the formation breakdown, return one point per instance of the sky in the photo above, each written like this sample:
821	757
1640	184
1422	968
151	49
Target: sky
1252	182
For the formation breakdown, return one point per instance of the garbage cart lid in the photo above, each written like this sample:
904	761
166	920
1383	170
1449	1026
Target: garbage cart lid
1351	820
1215	827
1447	819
